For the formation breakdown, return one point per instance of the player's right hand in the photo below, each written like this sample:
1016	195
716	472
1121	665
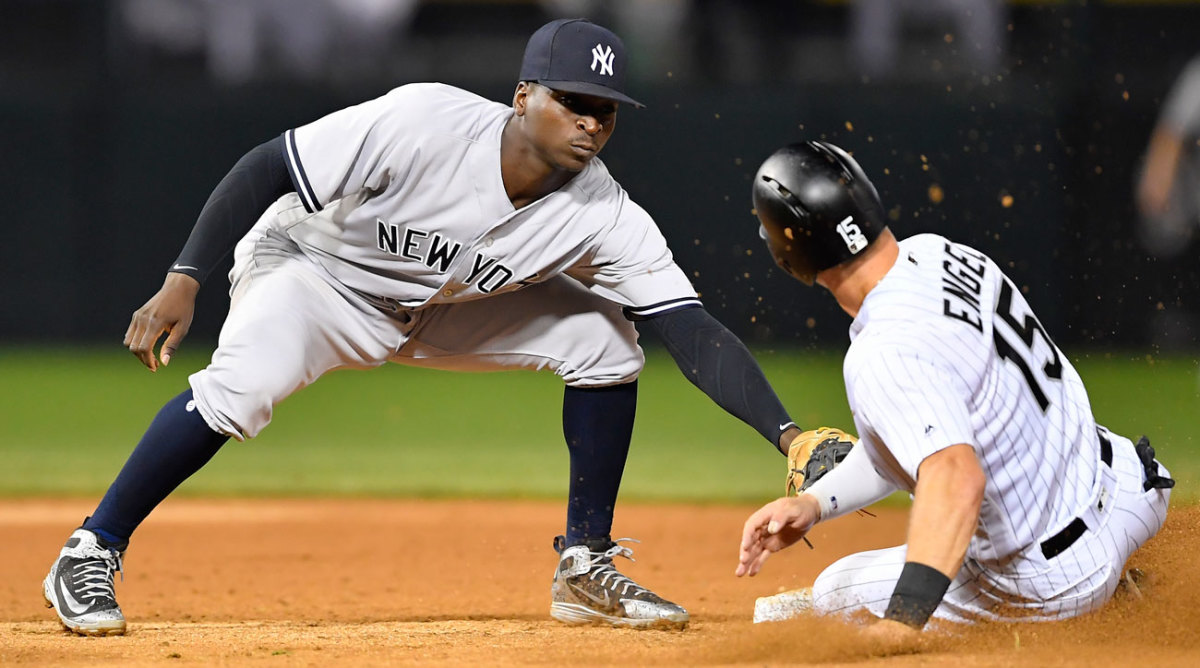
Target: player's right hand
169	310
775	526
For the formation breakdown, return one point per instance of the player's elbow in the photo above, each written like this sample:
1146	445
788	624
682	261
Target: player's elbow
959	467
973	483
971	480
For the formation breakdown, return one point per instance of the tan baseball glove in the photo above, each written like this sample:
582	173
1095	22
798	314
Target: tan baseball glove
814	453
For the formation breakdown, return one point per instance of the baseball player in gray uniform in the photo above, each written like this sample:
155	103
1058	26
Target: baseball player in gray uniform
1023	507
1168	198
431	227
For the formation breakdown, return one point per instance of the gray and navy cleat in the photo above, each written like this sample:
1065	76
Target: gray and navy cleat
588	589
80	586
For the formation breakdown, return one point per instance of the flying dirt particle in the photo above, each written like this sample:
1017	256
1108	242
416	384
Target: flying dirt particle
936	195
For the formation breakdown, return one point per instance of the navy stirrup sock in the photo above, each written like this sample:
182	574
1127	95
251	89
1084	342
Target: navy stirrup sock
598	425
177	444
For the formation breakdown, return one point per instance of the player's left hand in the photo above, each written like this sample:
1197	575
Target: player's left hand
775	526
891	637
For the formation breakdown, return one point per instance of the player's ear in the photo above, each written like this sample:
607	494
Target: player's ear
520	96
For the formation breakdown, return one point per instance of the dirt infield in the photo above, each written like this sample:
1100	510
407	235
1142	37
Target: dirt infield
364	582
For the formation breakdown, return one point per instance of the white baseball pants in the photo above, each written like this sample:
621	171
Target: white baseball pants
1078	580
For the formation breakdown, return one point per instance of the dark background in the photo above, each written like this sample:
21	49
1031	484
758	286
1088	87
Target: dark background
111	142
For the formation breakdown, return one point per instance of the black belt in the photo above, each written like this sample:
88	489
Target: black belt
1059	542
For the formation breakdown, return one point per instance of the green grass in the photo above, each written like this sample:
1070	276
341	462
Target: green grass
69	417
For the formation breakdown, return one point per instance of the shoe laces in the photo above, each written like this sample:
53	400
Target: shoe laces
94	574
600	565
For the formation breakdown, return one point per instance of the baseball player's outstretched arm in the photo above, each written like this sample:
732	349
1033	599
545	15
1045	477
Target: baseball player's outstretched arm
722	367
257	180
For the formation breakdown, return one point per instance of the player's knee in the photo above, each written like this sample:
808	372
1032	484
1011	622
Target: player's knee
824	599
843	589
241	411
606	365
608	353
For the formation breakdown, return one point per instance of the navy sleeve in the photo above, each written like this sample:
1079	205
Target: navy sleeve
722	367
254	183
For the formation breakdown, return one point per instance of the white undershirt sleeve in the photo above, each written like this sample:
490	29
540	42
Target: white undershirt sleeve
851	485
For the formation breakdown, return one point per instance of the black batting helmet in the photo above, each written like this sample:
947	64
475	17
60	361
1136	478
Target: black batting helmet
816	207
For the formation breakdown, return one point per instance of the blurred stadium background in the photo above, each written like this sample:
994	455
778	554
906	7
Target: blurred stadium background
1014	126
1017	127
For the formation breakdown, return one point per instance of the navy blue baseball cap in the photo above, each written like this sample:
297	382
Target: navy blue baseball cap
577	56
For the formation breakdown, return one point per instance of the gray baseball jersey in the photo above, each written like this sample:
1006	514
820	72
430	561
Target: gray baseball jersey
1181	113
401	245
403	199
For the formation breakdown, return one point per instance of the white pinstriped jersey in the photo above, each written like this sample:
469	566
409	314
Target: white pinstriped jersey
945	350
404	200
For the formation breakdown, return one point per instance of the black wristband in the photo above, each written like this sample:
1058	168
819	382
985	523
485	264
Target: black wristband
917	594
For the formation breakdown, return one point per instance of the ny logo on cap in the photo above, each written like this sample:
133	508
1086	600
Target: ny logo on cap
602	56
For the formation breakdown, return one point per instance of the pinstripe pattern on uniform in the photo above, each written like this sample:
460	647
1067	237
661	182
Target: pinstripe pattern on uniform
909	368
1080	580
923	373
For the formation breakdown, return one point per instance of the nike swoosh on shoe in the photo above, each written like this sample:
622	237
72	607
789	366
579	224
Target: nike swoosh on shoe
606	601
